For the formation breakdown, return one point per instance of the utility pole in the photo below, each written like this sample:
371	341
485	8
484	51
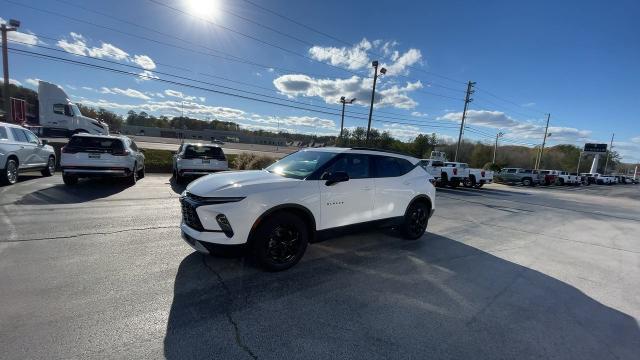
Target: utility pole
495	148
467	100
13	26
544	140
373	92
344	102
578	168
606	162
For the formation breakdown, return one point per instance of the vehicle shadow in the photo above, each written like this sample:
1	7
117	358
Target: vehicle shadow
478	192
23	178
84	191
371	296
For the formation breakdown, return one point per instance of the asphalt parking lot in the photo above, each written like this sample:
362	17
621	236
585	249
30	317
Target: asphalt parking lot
99	270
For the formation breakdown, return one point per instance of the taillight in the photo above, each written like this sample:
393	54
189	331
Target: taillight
482	173
455	171
121	152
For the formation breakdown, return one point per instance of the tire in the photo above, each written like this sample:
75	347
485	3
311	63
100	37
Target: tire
133	178
527	182
10	173
51	167
69	179
280	241
416	219
560	181
454	183
141	173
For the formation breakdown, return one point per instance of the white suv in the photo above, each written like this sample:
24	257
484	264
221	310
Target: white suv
21	150
198	159
101	156
277	211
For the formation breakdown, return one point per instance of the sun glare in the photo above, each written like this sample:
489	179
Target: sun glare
203	8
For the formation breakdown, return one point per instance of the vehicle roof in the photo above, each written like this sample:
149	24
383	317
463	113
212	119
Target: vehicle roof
200	144
363	150
121	137
12	125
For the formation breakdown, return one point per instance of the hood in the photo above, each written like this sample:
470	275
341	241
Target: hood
238	183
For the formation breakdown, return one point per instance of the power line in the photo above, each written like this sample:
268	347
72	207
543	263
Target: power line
122	72
509	101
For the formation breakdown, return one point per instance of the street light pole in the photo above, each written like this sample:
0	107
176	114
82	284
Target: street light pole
344	102
495	148
13	26
467	100
606	163
373	92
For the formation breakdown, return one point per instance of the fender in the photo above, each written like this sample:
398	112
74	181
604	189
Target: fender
422	197
298	207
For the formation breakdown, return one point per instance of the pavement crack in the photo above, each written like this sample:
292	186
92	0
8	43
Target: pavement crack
89	234
227	310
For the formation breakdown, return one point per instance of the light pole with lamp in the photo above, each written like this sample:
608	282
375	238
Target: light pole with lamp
13	26
344	102
495	148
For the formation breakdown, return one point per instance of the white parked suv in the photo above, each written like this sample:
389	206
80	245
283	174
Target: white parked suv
21	150
101	156
278	210
198	159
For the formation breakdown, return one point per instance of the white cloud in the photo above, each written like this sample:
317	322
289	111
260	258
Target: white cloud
529	104
71	87
181	95
419	114
22	37
636	139
146	75
271	70
144	62
330	90
87	88
15	82
352	58
132	93
517	129
295	121
174	108
356	56
400	63
32	82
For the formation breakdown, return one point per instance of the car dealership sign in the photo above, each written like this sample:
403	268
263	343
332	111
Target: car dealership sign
595	148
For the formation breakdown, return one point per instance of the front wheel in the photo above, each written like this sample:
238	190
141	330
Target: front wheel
51	167
415	221
280	241
527	182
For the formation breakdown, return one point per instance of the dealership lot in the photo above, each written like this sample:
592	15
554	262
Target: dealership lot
99	270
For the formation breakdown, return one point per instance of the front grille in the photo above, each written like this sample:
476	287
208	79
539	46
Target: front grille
190	216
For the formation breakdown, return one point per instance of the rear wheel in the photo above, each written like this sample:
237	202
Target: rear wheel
416	219
69	179
51	167
527	182
280	241
9	175
133	178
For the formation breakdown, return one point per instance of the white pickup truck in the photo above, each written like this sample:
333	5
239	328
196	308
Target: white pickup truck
564	178
604	179
470	177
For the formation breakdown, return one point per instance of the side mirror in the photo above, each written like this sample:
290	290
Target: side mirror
44	142
336	177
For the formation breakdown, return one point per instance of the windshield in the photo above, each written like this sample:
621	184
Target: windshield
300	164
75	110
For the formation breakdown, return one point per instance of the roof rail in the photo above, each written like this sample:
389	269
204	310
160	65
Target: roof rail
381	150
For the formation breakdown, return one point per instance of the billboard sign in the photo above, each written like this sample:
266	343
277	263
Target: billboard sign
595	148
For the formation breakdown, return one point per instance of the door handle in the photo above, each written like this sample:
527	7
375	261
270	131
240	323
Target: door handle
366	188
21	147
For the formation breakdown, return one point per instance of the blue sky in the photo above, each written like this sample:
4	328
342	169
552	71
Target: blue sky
574	59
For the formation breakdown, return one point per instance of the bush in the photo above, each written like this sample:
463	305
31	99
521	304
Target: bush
158	161
251	161
492	167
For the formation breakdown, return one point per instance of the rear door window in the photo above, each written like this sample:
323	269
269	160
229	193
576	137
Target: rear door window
3	133
95	144
388	166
